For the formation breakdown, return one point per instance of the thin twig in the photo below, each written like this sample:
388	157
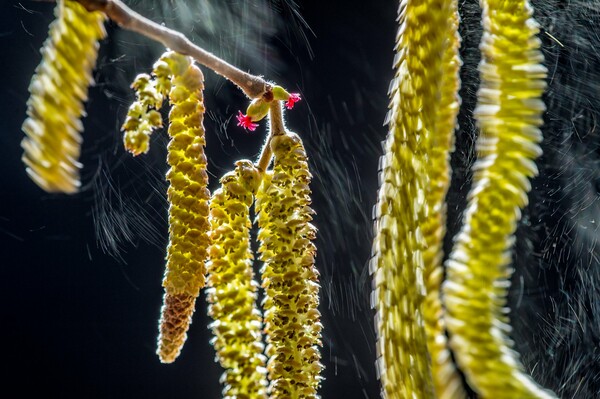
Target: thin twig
126	18
276	119
265	156
277	129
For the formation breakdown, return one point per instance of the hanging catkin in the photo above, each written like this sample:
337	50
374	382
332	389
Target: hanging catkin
403	271
188	197
447	382
509	115
232	289
58	92
143	116
290	279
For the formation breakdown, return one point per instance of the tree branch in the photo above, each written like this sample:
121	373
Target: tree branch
126	18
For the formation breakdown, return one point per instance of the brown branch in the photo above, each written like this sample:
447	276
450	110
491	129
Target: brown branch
265	156
276	119
126	18
277	129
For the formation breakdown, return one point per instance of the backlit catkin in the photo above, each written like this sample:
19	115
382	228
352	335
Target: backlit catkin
509	114
290	279
447	382
232	289
401	276
143	116
188	197
58	91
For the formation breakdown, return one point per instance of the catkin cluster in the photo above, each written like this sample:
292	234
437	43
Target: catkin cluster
232	291
289	276
58	91
210	238
415	357
290	280
509	114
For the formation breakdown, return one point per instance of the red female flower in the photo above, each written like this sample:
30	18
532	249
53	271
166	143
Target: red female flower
292	100
246	122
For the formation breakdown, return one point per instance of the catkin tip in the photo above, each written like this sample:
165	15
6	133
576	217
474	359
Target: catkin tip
175	319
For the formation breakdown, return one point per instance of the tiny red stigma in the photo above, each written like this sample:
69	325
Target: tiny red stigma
246	122
294	98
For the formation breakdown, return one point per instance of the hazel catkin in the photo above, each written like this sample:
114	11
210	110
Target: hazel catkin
290	279
509	115
188	198
58	91
232	289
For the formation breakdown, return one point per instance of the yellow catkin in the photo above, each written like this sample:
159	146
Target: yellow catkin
509	114
447	381
232	289
188	197
143	116
290	279
405	203
58	91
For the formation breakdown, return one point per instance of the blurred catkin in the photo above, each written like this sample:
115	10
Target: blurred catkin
58	91
188	197
290	279
232	289
446	379
509	115
409	212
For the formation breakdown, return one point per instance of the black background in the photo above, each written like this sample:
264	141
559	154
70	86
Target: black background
81	275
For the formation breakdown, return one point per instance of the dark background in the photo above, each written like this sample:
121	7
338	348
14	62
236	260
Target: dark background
80	276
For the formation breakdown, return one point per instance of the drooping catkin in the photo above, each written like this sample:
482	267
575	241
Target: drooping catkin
509	115
289	275
447	381
405	204
58	91
188	197
143	116
232	289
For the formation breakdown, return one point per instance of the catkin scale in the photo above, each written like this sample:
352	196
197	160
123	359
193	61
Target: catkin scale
58	91
231	292
509	114
290	279
188	198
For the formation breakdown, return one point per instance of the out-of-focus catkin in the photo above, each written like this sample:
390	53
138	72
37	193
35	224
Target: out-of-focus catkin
232	289
509	115
188	197
290	279
58	91
405	277
447	381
